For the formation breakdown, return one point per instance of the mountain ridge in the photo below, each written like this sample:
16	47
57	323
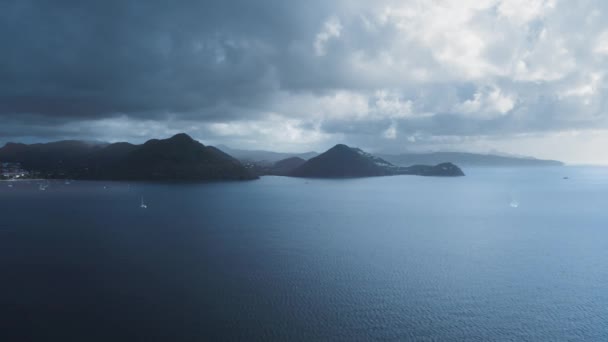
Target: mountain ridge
469	159
177	158
342	161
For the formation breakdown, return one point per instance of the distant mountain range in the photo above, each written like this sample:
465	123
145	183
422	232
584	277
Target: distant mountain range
183	158
466	159
463	159
342	161
177	158
263	156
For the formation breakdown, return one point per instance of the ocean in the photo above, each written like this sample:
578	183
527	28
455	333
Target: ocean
499	255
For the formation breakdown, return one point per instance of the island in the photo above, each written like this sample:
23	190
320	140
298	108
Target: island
342	161
185	159
465	159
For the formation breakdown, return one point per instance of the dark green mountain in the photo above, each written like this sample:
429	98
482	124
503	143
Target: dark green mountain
286	166
54	158
342	161
177	158
281	168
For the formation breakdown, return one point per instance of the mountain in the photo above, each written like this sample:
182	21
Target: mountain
280	168
263	156
267	158
440	170
54	157
342	161
286	166
177	158
467	159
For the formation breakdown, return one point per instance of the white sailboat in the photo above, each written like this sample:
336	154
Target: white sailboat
143	205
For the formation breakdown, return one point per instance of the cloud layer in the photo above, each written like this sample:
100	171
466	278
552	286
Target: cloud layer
384	75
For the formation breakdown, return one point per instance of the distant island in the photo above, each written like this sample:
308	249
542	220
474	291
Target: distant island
183	158
464	159
468	159
342	161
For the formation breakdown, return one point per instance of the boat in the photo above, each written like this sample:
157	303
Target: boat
143	205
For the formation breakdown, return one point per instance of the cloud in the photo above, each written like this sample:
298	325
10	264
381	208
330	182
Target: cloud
391	131
486	103
524	11
387	75
331	30
601	44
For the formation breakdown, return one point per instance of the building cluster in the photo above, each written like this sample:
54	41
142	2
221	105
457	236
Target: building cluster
12	171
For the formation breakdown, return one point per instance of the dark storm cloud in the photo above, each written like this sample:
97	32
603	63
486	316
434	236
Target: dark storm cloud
93	59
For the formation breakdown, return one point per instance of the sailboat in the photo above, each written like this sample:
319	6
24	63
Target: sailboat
143	205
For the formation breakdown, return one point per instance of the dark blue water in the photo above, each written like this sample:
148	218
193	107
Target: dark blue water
501	254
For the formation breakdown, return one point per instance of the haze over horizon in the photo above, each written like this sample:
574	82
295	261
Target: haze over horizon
520	77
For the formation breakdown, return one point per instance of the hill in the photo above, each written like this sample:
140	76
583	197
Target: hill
342	161
177	158
286	166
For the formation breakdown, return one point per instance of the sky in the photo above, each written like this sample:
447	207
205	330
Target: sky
524	77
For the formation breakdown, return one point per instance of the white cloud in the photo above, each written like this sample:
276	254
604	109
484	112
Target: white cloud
331	30
601	43
524	11
534	67
391	131
447	29
265	132
586	89
548	59
487	103
347	105
470	106
389	105
499	102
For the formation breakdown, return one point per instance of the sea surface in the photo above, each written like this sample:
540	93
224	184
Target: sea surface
498	255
